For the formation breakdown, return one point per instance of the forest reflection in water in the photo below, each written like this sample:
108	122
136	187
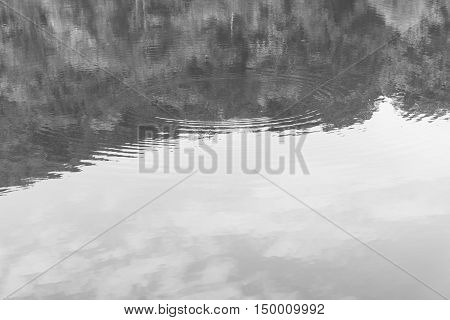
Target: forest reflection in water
206	61
367	78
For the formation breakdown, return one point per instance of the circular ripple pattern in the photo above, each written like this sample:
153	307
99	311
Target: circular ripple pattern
311	89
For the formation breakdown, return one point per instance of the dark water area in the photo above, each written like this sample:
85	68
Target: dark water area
368	80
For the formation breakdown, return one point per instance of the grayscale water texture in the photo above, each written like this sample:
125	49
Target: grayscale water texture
365	81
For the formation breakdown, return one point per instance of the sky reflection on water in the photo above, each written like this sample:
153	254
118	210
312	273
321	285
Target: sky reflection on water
377	149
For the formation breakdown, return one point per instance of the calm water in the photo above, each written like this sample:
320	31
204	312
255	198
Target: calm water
377	148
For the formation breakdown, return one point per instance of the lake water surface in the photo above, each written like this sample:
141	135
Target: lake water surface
361	85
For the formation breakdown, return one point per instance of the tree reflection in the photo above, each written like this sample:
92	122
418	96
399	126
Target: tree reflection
212	60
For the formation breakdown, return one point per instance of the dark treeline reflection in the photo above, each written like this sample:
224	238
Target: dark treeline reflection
204	60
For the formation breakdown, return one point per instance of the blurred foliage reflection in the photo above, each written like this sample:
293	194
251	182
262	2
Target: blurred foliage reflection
205	60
